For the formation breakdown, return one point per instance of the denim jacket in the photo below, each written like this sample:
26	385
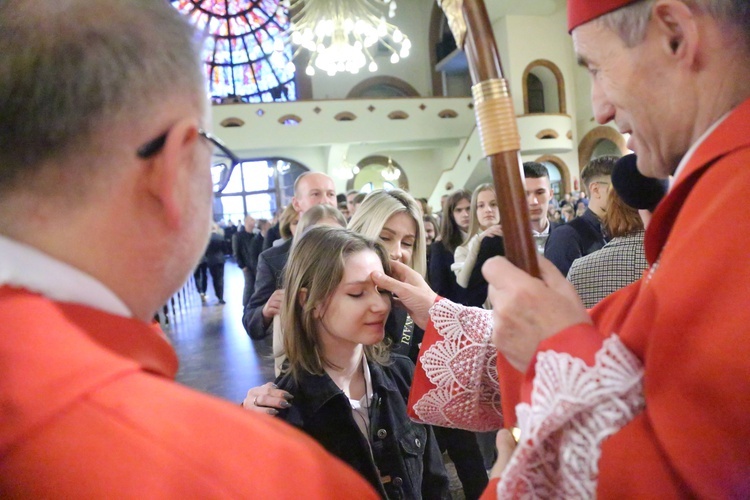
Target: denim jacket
405	460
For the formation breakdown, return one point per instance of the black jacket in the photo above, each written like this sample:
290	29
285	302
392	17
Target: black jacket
244	250
442	279
273	234
476	292
404	334
267	280
581	236
215	250
404	453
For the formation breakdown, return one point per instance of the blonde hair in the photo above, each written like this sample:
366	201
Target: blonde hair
315	269
286	220
474	226
318	213
375	211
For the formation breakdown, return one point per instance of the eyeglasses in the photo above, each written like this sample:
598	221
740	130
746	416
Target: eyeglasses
219	171
154	146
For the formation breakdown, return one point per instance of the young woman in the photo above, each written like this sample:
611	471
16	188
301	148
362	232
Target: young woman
485	221
430	230
319	215
394	219
348	394
430	233
453	232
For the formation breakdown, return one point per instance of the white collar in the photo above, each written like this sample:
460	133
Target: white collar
686	159
543	232
23	266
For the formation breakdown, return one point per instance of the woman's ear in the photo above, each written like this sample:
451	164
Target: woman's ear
302	297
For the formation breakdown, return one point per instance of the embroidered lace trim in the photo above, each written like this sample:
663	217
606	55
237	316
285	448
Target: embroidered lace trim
463	368
574	408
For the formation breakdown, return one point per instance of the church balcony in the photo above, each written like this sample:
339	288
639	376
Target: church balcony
545	134
247	128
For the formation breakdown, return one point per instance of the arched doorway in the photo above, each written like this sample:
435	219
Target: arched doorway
382	86
371	177
600	141
450	68
543	88
559	174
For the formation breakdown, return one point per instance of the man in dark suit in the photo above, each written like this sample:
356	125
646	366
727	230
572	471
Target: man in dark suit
310	189
538	195
583	235
273	233
243	253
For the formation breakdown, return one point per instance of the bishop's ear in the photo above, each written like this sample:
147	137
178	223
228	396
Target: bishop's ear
678	27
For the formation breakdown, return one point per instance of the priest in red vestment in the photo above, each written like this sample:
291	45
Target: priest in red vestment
105	205
647	395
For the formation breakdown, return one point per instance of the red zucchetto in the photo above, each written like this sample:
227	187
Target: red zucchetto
582	11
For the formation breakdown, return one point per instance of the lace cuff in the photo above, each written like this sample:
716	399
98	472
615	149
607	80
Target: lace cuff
461	368
574	408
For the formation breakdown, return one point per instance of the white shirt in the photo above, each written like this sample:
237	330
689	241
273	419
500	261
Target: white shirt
361	407
543	232
26	267
693	148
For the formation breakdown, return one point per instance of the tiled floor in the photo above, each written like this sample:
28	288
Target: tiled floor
216	355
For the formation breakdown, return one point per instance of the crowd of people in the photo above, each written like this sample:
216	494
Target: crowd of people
638	393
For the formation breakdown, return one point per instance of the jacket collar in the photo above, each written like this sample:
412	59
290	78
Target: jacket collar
320	389
728	137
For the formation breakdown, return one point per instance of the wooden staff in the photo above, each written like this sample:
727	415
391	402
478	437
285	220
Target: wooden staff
501	144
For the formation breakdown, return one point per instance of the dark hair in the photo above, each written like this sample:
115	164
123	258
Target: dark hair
431	219
359	198
450	233
598	167
534	170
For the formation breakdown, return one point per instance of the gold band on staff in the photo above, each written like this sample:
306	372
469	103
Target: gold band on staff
495	117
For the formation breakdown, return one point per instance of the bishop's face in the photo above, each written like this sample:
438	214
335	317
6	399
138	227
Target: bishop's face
642	90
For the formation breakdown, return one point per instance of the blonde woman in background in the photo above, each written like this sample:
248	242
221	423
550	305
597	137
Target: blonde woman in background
394	218
485	221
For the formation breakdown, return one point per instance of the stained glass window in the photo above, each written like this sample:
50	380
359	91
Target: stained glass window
246	55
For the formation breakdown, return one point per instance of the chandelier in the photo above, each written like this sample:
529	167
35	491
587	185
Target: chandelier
341	33
390	173
346	170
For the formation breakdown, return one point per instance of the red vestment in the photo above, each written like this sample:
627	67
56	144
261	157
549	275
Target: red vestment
687	323
89	409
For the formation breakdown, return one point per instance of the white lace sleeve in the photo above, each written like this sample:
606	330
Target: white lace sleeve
462	366
574	408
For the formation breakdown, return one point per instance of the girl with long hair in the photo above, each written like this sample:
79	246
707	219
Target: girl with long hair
485	221
348	392
453	231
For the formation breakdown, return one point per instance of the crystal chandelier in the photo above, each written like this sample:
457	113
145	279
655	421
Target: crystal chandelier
390	173
340	33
